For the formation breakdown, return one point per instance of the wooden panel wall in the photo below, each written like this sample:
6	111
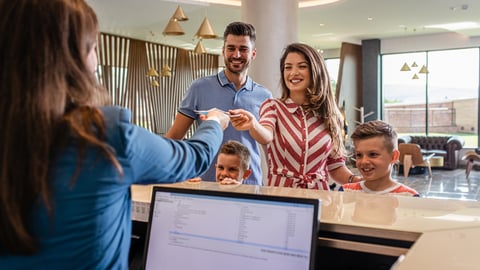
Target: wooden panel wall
123	66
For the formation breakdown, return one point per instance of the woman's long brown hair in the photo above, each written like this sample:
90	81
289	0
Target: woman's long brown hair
47	95
320	94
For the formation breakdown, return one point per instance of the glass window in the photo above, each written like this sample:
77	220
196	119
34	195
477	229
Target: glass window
433	93
333	66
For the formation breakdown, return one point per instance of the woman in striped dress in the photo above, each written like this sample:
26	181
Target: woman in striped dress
302	128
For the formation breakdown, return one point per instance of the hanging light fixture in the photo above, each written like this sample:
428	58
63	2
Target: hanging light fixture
173	28
415	77
199	49
414	64
205	30
179	15
423	70
405	67
166	71
153	73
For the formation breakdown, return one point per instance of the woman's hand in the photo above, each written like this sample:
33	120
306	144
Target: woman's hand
242	120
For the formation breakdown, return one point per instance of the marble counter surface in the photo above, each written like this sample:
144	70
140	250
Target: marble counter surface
445	232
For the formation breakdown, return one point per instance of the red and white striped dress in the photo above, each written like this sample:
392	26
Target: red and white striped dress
300	154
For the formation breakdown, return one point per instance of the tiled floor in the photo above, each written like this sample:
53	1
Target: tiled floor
445	184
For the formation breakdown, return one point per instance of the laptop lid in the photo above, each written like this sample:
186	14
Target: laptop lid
205	229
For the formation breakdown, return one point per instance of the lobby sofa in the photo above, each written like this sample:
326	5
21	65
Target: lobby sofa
442	146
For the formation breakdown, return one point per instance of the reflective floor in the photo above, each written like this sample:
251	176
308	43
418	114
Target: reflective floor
444	184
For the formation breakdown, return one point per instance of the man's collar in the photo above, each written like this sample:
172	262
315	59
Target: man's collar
222	78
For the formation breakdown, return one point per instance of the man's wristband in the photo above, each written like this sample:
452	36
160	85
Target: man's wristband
350	178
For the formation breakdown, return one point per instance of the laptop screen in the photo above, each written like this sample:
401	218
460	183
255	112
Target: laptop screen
202	229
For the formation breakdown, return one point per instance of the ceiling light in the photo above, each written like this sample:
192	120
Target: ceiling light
455	26
173	28
405	67
179	15
199	49
238	3
423	70
166	71
205	30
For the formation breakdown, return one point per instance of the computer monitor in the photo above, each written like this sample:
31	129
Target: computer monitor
205	229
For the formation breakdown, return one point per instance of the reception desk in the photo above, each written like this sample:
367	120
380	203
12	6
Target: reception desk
373	231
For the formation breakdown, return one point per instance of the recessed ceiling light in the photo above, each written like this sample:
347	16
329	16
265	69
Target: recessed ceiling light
301	3
455	26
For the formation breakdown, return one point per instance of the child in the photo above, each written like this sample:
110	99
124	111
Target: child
233	164
376	152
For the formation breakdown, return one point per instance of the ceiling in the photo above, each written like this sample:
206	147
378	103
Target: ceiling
323	27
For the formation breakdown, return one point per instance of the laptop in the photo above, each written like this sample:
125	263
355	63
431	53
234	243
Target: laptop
205	229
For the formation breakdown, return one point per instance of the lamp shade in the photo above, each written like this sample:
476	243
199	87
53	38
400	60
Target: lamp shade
405	67
199	49
173	28
423	70
415	77
166	71
179	15
152	72
205	30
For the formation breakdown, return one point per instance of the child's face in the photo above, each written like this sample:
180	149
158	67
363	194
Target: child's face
373	160
229	166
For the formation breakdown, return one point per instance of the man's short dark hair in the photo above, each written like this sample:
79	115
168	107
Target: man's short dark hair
240	29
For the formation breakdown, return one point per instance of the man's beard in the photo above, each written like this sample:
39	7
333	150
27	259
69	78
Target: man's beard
230	66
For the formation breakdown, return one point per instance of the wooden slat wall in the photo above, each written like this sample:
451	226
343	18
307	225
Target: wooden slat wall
123	65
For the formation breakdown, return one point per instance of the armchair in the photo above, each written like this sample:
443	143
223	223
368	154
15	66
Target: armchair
411	156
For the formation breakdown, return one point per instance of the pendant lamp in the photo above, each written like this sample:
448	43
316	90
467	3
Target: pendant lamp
199	49
179	15
423	70
405	67
152	72
205	30
173	28
166	71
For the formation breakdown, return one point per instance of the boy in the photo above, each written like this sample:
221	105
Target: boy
233	164
376	152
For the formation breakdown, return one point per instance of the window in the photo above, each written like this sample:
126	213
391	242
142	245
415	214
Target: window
442	101
333	67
